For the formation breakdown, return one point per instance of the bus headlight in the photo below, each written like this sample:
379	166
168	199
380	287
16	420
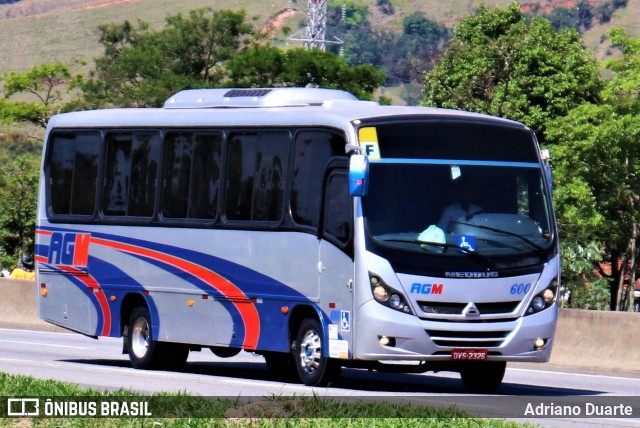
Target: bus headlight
388	296
548	295
380	293
537	304
545	299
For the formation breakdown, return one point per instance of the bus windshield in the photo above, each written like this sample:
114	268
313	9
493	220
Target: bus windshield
459	204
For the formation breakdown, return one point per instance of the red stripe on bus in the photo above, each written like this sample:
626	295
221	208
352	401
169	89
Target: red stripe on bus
43	232
247	309
93	285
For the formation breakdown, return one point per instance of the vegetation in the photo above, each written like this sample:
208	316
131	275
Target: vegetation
266	66
503	64
583	16
499	61
19	162
143	67
404	56
181	410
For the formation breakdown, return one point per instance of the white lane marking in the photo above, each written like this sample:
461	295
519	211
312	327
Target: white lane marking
191	378
599	376
22	342
13	330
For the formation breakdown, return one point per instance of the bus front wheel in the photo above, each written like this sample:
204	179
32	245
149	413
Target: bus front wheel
483	377
314	369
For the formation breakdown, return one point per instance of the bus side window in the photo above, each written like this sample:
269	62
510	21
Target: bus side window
256	176
191	175
73	173
131	174
338	218
313	151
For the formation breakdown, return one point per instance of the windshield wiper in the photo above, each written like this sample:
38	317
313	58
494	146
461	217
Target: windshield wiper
505	232
439	244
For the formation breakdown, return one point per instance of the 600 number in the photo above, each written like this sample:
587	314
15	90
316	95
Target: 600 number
520	288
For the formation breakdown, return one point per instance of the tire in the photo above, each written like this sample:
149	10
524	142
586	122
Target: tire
483	377
146	353
313	368
281	364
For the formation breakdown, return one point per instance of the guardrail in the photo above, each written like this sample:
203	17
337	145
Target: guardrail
595	340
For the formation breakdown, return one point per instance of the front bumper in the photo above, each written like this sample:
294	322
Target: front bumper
416	339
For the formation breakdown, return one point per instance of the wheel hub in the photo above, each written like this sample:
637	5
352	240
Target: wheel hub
310	352
140	337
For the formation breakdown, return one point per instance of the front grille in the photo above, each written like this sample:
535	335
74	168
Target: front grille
442	308
454	308
468	339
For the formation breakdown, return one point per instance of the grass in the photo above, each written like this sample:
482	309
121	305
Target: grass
33	32
67	33
181	410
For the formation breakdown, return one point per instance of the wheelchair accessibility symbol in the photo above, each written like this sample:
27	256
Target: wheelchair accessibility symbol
345	321
466	242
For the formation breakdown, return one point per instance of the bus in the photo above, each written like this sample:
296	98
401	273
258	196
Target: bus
303	225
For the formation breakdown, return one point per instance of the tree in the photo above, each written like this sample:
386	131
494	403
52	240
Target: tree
43	84
501	63
143	67
403	56
18	199
622	90
258	66
597	164
265	66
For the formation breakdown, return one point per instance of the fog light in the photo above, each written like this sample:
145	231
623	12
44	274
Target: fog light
539	343
387	341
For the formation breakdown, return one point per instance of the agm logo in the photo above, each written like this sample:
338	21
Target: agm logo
426	288
69	249
471	274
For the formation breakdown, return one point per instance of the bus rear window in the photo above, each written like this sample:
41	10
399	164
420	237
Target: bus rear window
73	173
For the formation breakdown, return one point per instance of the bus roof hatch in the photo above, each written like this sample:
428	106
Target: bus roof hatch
276	97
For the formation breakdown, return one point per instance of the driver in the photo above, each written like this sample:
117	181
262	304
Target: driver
463	209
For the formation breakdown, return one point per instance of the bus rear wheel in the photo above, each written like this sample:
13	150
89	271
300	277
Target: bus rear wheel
146	353
483	377
314	369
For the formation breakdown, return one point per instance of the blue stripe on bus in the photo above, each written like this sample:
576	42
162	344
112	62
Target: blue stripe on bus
457	162
250	282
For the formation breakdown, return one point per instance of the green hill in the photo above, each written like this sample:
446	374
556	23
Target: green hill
36	31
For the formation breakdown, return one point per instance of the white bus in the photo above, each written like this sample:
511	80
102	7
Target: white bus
303	225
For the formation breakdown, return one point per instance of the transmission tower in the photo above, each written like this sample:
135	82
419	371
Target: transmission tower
314	33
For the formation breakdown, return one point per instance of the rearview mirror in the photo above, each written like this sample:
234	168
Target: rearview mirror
358	175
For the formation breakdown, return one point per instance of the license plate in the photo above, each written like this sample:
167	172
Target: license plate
469	354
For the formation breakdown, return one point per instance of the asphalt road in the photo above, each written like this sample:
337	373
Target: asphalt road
99	364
